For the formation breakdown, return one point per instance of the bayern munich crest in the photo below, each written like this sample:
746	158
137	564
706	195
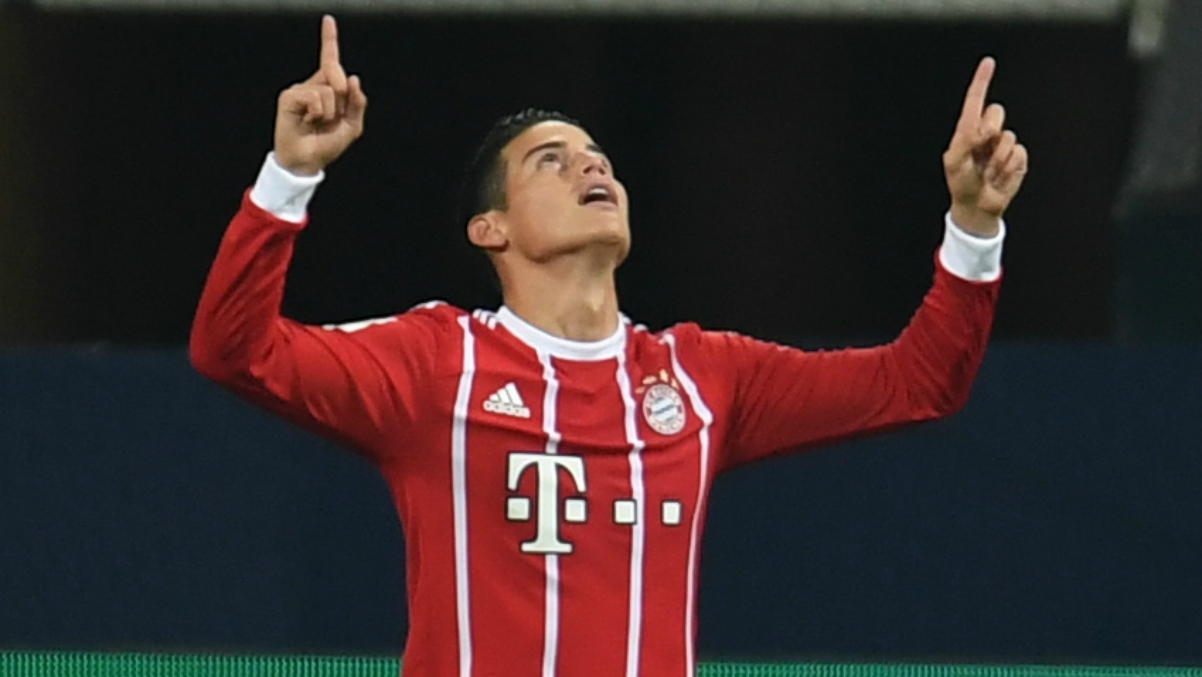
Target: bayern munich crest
664	409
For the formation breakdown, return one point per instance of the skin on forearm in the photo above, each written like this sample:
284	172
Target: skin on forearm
975	221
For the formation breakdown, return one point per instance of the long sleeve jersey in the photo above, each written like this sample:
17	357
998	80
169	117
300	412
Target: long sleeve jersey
553	492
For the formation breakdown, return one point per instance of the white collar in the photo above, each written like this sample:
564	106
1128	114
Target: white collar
557	346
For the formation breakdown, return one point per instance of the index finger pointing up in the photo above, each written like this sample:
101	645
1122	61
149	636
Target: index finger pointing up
974	100
331	67
329	40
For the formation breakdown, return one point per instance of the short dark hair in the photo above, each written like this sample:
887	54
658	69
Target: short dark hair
484	183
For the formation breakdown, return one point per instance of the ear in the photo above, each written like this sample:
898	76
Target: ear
487	231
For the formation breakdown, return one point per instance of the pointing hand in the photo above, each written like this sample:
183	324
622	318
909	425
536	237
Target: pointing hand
984	164
318	119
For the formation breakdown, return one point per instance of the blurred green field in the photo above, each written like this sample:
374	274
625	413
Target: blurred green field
68	664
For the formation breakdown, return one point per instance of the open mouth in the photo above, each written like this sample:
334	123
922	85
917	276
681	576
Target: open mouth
600	194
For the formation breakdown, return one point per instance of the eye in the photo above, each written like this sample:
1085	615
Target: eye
549	156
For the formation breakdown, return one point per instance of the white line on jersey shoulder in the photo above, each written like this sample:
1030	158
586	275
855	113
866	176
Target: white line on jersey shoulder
487	317
359	325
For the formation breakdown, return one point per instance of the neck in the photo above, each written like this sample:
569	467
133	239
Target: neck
563	298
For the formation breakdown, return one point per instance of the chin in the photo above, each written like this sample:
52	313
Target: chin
608	236
609	245
615	237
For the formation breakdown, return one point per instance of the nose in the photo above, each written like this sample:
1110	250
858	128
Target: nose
593	164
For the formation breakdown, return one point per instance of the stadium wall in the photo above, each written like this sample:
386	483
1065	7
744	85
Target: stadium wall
1055	519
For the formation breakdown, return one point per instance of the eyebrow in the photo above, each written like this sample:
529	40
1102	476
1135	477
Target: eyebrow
561	144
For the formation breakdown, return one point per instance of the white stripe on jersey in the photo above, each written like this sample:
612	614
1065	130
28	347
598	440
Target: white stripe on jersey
634	628
707	418
358	325
486	317
459	490
551	617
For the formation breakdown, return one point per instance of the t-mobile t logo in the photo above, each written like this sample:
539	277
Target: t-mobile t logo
575	509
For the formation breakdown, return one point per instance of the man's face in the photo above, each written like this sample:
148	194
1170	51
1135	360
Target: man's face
562	196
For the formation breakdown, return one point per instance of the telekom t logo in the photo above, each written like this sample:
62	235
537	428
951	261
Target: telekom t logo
547	467
626	510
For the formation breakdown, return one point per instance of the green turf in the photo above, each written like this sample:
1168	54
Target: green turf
65	664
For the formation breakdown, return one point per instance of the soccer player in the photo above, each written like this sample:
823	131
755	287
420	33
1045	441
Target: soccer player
551	460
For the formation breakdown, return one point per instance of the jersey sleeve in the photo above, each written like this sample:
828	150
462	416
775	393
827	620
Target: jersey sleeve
357	383
782	398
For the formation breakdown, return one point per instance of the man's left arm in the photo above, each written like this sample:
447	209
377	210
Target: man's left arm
786	398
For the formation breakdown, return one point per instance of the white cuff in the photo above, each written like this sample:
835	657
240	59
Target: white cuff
283	194
971	257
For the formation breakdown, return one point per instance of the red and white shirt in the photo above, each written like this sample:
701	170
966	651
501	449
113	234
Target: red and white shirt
553	492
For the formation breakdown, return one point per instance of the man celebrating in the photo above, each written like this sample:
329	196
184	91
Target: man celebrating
551	461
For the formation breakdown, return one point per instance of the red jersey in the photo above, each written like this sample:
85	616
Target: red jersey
553	492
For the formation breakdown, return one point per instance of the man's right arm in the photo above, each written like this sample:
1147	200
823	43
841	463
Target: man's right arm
337	381
329	379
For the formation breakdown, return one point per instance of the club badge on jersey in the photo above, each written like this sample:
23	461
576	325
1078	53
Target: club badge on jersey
663	407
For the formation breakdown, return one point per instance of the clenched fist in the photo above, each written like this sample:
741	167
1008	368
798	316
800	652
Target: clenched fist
984	164
318	119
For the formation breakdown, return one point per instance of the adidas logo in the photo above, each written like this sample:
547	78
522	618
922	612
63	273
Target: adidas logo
507	401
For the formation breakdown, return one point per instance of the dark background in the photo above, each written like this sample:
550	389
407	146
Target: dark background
785	177
786	182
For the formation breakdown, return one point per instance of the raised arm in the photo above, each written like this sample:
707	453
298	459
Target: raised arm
340	382
784	398
984	163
